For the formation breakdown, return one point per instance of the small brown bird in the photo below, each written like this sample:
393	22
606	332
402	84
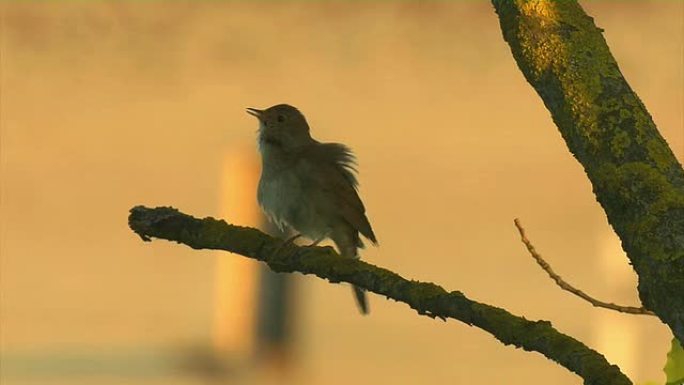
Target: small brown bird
310	186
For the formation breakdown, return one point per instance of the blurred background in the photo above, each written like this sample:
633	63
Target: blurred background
107	105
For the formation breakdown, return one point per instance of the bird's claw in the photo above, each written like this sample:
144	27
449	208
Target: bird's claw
285	243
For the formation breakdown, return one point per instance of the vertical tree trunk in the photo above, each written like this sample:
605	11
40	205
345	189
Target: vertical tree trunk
635	176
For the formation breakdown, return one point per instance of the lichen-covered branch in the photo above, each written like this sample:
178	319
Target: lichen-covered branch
635	176
426	298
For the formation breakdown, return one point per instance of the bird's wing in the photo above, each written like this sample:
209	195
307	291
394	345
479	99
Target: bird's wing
337	167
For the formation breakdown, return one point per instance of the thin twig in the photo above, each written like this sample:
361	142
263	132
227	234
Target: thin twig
567	287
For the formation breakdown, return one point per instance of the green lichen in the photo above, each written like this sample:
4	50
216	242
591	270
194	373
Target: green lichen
619	143
660	154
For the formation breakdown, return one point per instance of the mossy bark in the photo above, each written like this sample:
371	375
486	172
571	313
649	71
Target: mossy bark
426	298
635	176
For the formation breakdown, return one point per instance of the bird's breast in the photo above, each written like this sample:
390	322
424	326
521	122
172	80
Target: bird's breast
284	198
278	195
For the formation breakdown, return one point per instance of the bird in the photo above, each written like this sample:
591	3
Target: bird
309	186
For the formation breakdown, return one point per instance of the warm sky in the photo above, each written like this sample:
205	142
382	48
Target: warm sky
107	105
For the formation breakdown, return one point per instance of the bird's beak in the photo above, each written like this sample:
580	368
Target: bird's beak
254	112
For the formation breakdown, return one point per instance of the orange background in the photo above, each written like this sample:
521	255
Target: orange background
108	105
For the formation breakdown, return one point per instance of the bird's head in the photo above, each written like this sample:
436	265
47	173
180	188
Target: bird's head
281	126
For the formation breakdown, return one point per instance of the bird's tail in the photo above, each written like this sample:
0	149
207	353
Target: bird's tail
361	299
348	247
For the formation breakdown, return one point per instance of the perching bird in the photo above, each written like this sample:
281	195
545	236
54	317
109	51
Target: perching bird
310	186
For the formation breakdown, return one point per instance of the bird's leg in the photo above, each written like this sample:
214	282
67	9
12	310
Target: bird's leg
286	242
292	239
316	242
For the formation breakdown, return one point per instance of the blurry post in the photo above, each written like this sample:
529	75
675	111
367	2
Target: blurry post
252	311
275	314
617	335
236	278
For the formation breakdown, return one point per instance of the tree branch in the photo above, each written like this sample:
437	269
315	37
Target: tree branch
568	287
424	297
635	176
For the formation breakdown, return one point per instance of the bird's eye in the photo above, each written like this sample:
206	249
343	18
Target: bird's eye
281	118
